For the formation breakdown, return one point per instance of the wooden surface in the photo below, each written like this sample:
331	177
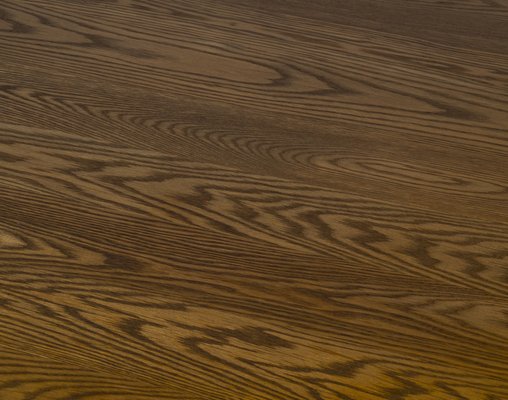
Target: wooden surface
253	200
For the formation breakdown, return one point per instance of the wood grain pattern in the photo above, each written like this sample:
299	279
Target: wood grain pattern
262	200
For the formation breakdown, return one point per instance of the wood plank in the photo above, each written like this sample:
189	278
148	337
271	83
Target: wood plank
253	200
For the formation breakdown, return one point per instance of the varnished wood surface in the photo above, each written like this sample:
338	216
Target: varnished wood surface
253	200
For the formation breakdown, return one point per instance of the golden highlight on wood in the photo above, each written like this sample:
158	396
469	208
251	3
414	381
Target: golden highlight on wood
253	200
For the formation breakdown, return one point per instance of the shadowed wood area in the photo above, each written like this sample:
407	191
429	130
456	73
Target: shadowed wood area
253	200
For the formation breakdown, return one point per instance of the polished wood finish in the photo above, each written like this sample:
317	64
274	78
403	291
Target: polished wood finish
253	199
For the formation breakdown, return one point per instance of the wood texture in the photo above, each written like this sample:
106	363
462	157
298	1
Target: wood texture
253	199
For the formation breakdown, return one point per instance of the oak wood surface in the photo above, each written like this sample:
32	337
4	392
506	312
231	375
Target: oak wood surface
253	199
